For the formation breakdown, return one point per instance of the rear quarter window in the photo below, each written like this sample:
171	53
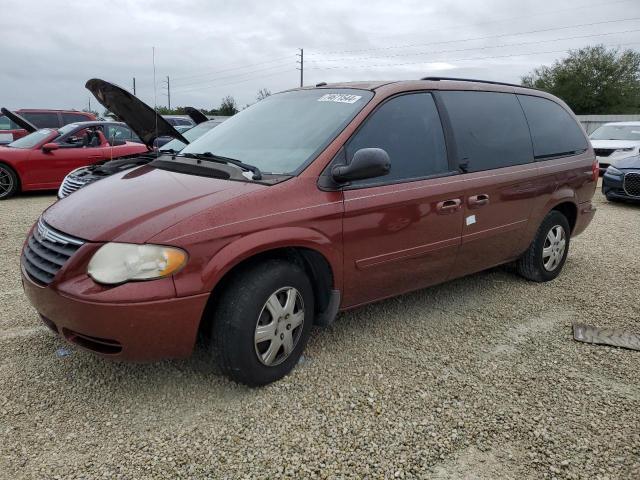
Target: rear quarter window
554	132
42	119
7	124
68	118
489	128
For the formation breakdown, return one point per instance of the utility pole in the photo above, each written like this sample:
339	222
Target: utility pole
301	62
168	91
134	85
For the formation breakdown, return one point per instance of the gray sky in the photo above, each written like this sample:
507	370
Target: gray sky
215	48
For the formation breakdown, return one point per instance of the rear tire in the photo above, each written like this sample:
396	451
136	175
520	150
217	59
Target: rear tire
9	183
545	257
262	322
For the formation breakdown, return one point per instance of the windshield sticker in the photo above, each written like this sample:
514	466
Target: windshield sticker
339	98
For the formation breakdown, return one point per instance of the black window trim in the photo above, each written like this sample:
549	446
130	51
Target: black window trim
552	156
459	162
340	157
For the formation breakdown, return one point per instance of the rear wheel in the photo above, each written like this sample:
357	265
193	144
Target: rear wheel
8	182
262	322
545	257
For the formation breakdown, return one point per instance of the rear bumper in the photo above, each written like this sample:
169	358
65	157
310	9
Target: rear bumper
586	212
144	331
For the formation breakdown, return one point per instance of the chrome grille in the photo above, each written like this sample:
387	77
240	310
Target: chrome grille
70	185
46	251
631	184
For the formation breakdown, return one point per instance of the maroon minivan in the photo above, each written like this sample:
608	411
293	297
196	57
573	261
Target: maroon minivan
312	201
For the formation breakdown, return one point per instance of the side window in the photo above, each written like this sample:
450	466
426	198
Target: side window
42	119
553	131
490	129
68	118
408	128
7	124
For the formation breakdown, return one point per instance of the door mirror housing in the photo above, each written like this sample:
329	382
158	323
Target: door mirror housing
48	147
366	163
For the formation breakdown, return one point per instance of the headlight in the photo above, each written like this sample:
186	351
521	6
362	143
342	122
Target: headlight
117	263
611	170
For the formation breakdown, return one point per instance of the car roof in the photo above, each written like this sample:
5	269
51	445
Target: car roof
426	82
52	110
97	123
623	124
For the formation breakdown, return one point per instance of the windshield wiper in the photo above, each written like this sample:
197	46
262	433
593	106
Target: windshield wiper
168	150
210	157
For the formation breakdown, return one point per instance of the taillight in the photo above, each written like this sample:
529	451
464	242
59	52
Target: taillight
595	170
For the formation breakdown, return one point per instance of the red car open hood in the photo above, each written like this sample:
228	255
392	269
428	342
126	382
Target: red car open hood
135	205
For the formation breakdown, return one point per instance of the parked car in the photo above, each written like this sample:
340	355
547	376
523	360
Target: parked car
41	160
309	202
83	176
622	182
194	114
615	141
179	121
9	131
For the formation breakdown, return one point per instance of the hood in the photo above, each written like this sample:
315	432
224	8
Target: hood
139	116
195	115
18	120
135	205
629	162
615	143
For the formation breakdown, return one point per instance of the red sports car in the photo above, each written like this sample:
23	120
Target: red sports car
41	160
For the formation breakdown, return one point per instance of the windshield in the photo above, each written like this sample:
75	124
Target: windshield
32	139
617	132
284	132
191	134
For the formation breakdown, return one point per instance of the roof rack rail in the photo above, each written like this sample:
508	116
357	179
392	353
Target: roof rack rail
473	80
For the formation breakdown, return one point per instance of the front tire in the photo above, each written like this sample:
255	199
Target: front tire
547	254
262	322
9	184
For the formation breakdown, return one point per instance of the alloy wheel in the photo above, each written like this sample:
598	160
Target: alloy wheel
6	182
553	249
279	326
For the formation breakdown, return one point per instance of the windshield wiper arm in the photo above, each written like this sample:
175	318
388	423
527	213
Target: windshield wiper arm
208	156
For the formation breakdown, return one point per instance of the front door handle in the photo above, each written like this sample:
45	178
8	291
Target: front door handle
449	206
476	201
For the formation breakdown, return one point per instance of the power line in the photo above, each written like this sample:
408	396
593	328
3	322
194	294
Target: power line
236	81
215	79
459	26
232	68
489	36
473	48
459	59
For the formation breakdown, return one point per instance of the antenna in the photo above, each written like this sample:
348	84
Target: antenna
155	102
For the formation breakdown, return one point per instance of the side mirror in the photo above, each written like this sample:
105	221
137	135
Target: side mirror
48	147
366	163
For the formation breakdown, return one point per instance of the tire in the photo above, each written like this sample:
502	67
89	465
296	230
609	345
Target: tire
248	302
9	183
536	264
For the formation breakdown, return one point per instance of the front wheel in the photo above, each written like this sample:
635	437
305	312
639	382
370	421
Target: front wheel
8	182
545	257
262	322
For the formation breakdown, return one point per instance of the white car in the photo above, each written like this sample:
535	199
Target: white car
615	141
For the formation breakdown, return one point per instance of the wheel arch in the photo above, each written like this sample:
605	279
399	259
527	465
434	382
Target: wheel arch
15	171
320	261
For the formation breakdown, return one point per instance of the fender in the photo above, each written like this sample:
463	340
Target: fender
263	241
562	194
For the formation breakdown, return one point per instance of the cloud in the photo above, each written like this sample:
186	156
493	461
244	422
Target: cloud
210	49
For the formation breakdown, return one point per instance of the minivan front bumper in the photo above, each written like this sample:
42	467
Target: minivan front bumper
144	331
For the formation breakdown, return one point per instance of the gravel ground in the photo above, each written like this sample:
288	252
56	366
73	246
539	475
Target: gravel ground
475	379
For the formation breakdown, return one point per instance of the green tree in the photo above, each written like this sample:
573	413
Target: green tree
593	80
228	106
